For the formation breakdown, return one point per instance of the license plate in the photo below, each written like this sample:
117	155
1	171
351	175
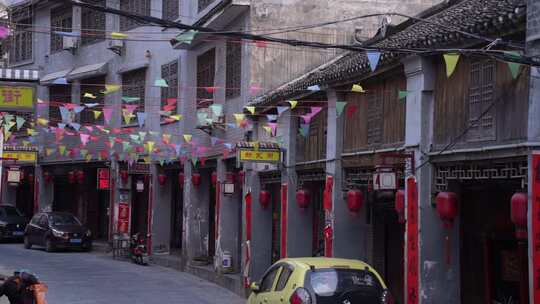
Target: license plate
18	233
75	241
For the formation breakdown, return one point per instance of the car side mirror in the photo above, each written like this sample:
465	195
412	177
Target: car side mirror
255	287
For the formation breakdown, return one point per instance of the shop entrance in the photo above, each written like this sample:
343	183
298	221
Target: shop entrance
25	195
97	205
139	205
316	190
177	204
65	196
493	262
212	223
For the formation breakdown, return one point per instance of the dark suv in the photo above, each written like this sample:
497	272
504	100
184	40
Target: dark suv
12	223
57	230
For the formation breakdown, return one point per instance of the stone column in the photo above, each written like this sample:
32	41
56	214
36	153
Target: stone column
161	210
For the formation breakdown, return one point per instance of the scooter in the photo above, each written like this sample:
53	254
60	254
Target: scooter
138	250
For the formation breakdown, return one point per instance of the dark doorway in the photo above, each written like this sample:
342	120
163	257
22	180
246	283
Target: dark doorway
139	206
177	204
212	223
316	190
492	268
275	197
25	197
65	196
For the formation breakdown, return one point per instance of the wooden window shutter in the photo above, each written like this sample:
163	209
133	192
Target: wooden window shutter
206	66
93	23
169	72
133	85
234	69
375	119
170	9
481	96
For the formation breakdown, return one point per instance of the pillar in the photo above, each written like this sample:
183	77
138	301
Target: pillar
161	210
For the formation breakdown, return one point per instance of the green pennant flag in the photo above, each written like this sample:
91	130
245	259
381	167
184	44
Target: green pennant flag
130	99
62	149
186	37
84	152
340	106
125	146
161	162
514	69
194	161
402	94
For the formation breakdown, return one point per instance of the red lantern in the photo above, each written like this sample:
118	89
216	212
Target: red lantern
241	177
71	177
196	179
48	177
80	176
214	178
355	199
181	179
264	198
399	205
447	208
124	175
302	198
230	177
162	178
518	214
30	178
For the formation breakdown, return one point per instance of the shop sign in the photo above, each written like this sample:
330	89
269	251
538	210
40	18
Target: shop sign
228	188
412	241
123	217
14	176
103	181
139	186
21	156
535	222
139	168
384	181
262	156
16	97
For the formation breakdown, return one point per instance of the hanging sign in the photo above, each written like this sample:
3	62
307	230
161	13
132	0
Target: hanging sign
21	156
103	181
16	97
123	217
535	222
14	176
263	156
412	241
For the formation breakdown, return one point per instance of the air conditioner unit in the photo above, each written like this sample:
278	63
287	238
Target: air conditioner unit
70	43
116	46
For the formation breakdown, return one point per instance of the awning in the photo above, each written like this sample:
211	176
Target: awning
19	74
133	66
90	70
49	78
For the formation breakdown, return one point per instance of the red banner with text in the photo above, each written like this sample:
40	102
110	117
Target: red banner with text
412	241
535	168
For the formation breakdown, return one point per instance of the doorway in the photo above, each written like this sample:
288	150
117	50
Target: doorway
25	197
177	216
65	196
139	205
275	198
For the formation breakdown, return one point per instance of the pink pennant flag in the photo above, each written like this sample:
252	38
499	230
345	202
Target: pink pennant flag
84	139
131	108
260	44
94	138
89	128
315	110
59	134
307	118
273	126
107	113
70	106
169	107
254	90
171	101
116	130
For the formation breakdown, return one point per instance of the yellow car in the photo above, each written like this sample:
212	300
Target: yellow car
320	281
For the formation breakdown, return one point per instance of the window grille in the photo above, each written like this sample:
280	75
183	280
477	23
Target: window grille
92	86
170	9
234	68
141	7
206	65
93	23
61	21
374	123
481	96
20	48
133	85
169	72
58	95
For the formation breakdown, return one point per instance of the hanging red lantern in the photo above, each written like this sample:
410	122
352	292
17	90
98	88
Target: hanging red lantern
48	177
241	177
399	205
264	198
181	179
162	178
447	208
230	177
124	175
30	178
196	179
355	200
80	176
71	177
214	178
518	213
302	198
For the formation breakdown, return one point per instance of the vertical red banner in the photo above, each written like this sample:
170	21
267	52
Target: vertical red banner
535	242
328	227
412	241
248	216
123	217
284	220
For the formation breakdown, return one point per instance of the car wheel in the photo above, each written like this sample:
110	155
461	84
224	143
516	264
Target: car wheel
27	243
49	247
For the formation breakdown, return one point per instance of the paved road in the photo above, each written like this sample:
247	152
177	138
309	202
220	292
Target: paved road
77	278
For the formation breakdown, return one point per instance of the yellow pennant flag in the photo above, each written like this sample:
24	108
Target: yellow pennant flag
187	137
88	157
268	129
96	114
7	134
239	117
451	61
251	110
110	88
176	117
49	151
127	116
25	143
357	88
42	121
62	149
89	95
30	131
150	146
293	103
117	35
256	145
146	159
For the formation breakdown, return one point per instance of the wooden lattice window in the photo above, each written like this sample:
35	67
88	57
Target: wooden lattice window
374	118
93	23
21	40
169	72
58	95
206	66
61	21
141	7
481	97
133	84
170	9
204	4
92	86
234	68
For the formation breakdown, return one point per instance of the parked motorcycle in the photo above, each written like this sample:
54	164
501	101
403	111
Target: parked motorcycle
138	250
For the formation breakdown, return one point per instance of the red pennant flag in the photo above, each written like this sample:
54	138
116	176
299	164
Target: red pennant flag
171	101
226	153
260	44
350	110
118	140
202	159
103	154
210	89
116	130
169	107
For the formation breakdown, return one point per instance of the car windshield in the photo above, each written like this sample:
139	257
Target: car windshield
11	211
63	220
345	286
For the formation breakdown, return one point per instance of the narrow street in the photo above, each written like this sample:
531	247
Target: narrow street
75	277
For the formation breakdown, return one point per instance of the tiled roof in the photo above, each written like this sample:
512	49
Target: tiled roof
490	18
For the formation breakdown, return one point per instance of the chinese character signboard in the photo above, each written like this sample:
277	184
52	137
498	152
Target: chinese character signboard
103	179
16	97
123	217
412	241
263	156
21	156
535	212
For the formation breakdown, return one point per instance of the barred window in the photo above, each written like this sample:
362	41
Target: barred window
234	68
141	7
92	86
169	72
21	41
375	118
481	95
93	23
170	9
133	85
206	65
58	95
204	4
62	21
